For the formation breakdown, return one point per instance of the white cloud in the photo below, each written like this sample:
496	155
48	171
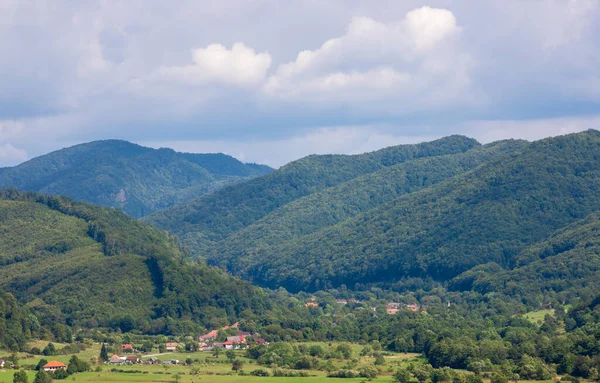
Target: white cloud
418	61
10	156
531	130
239	65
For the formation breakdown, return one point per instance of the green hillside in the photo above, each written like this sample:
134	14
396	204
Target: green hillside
567	263
431	218
329	207
212	218
120	174
91	266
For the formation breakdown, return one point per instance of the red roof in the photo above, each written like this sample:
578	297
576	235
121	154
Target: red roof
126	346
229	342
54	363
171	344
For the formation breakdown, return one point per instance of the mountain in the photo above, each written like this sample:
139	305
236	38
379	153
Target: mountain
91	266
567	262
134	178
381	228
205	221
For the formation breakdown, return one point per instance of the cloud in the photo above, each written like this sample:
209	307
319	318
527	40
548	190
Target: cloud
239	65
531	130
10	156
418	61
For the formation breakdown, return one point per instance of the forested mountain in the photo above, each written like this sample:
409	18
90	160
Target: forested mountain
567	262
134	178
76	263
15	323
426	218
212	218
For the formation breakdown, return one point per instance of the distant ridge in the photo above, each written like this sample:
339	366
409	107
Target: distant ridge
136	179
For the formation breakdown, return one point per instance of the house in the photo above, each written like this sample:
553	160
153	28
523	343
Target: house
311	304
230	344
341	301
352	300
2	363
115	359
152	360
392	308
212	335
237	339
413	308
171	361
171	346
243	334
133	359
218	345
127	347
54	365
261	341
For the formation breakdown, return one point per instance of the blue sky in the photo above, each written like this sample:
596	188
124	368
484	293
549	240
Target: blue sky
271	81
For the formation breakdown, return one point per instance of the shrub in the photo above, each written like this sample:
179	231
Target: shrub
260	372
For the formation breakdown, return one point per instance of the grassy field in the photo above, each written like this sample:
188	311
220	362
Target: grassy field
537	316
208	368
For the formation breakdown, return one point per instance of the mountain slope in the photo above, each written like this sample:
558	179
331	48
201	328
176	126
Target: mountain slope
212	218
93	266
567	262
487	215
329	207
137	179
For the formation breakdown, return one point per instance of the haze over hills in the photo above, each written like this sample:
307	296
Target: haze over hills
136	179
416	217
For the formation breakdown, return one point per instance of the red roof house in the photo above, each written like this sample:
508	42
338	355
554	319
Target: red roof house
54	365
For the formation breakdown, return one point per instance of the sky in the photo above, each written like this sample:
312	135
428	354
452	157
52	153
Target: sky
271	81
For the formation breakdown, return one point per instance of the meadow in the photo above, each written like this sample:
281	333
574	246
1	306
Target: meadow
204	368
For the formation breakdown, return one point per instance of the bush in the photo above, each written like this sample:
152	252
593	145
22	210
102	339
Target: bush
289	373
344	374
260	372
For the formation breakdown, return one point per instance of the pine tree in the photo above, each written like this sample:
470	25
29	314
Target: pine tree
103	353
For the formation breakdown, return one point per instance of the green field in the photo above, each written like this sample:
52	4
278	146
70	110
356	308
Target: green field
205	368
537	316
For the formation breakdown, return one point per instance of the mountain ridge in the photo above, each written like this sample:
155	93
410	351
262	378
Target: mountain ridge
134	178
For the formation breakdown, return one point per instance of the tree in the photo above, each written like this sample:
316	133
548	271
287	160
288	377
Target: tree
20	377
61	373
103	353
216	352
345	349
77	365
366	351
41	364
315	350
162	348
498	378
49	350
422	373
237	365
42	377
230	355
379	359
402	376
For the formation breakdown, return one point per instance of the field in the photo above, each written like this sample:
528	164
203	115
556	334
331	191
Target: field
537	316
205	368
